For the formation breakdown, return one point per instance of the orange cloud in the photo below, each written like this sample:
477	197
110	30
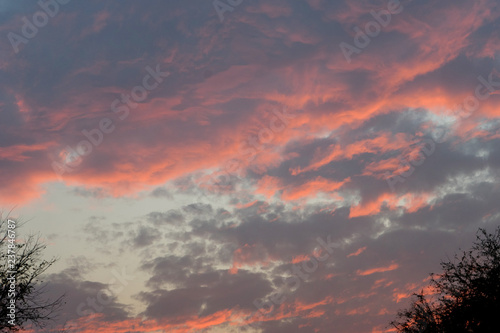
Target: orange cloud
378	270
357	253
248	255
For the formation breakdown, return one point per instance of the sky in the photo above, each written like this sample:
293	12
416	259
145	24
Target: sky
248	165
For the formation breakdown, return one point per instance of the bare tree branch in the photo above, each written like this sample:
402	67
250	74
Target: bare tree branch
31	306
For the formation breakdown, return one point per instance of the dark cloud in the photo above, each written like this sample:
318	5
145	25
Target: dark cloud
221	291
172	217
82	297
161	192
144	236
97	193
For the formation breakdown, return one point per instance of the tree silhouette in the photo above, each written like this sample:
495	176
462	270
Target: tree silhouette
467	295
31	307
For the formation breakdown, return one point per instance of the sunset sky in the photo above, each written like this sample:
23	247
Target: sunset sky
191	161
